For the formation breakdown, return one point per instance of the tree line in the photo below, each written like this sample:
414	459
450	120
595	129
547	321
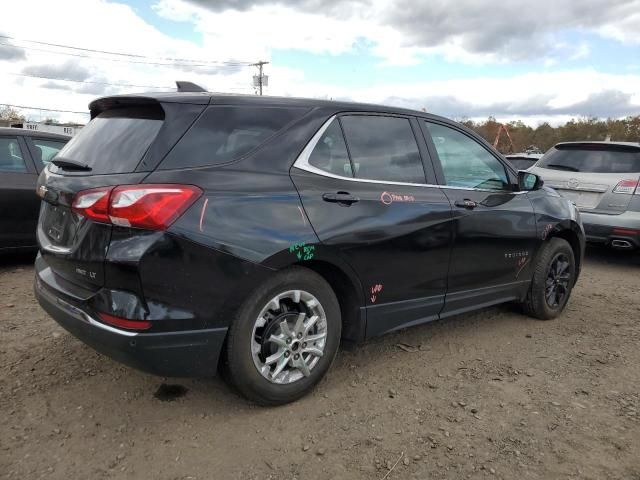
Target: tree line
545	136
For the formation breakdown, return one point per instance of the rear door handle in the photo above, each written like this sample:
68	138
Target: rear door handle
466	203
342	198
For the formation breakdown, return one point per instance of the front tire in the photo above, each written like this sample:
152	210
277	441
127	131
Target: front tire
553	280
284	338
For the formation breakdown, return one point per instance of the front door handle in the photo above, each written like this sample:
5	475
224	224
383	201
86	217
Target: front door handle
466	203
343	198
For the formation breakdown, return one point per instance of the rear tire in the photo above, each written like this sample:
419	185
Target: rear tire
268	358
552	282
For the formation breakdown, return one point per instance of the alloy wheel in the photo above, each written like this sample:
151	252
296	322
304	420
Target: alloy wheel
289	337
558	280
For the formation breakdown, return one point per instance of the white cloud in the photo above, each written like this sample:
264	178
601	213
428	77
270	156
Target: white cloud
253	31
402	31
533	97
119	29
626	29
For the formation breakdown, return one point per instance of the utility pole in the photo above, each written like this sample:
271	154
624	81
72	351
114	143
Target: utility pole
260	80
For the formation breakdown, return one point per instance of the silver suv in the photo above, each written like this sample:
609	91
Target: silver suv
602	179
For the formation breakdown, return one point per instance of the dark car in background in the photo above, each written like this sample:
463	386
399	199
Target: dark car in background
182	229
23	155
602	179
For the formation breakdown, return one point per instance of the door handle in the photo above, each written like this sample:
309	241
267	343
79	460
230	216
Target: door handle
343	198
466	203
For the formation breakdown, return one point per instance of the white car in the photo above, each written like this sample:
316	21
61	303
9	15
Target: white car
601	178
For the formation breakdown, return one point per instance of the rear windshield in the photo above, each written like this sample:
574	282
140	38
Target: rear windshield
225	133
116	140
592	159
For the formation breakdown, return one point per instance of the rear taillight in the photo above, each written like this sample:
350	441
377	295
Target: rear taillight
153	207
150	206
93	204
627	186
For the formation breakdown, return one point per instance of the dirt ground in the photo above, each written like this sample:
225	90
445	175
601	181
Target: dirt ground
489	394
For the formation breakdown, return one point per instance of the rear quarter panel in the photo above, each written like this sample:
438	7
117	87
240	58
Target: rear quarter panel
248	223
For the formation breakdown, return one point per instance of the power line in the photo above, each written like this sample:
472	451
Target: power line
226	65
85	81
41	108
237	87
123	54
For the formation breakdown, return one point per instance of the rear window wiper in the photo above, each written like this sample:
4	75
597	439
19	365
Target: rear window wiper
563	167
70	165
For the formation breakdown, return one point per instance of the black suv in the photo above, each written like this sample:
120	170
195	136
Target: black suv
177	229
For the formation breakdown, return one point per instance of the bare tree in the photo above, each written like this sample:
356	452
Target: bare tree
9	113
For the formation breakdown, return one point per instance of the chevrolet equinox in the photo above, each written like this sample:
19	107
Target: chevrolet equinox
180	232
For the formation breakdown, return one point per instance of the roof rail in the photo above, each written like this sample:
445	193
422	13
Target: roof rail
188	87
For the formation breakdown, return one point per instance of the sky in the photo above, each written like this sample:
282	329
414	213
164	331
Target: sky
537	61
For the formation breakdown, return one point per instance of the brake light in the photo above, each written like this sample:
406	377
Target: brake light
125	322
153	207
93	204
628	187
150	206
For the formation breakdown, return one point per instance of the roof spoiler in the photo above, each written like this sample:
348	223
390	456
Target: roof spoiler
120	101
188	87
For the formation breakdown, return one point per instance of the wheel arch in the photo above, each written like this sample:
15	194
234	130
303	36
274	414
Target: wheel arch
348	290
567	233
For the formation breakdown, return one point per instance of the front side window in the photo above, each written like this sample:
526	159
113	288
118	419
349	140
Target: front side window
10	156
383	148
46	150
466	163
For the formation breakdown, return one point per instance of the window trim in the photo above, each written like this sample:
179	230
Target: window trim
302	163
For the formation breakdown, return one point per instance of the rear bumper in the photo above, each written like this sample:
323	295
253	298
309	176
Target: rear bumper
192	353
606	228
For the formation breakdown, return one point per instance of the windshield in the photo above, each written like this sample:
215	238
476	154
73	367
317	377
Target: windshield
592	159
115	141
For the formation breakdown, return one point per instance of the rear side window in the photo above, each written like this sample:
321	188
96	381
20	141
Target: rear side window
46	149
592	159
10	156
330	153
225	133
383	148
116	140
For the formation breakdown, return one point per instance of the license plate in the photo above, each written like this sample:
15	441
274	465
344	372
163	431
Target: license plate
59	224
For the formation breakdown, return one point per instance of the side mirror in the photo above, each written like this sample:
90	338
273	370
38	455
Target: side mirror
528	181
